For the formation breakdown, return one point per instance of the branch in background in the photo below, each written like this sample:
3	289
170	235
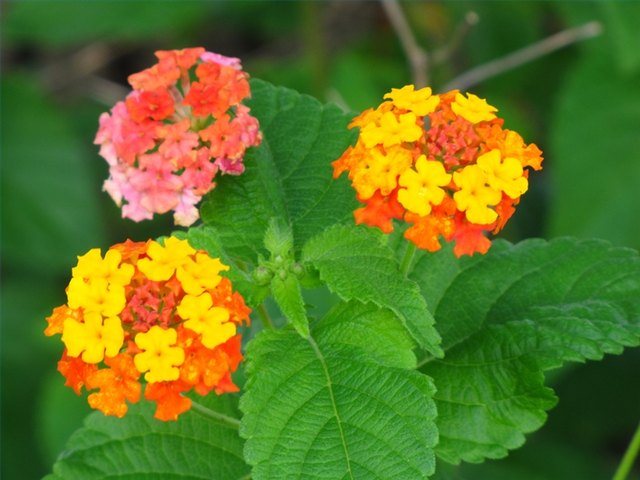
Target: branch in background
82	63
443	54
104	91
519	57
79	71
417	57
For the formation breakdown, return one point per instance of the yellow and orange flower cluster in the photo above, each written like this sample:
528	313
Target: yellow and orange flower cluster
442	163
145	309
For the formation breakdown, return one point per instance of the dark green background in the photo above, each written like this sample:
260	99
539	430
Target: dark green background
63	63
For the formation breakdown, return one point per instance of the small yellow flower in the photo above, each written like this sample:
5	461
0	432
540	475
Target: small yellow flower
475	196
380	171
159	357
200	274
93	337
392	130
163	261
503	174
473	108
96	296
420	102
423	186
91	265
209	321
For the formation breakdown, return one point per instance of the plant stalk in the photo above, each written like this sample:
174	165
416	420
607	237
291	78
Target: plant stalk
265	318
629	457
408	257
215	416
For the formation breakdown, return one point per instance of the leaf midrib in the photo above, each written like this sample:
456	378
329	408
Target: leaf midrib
325	369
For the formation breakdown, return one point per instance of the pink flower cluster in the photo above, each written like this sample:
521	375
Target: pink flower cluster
182	124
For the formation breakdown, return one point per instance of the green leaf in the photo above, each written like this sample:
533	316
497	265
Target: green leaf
287	294
344	404
597	180
355	264
278	238
619	41
621	24
508	316
140	447
288	177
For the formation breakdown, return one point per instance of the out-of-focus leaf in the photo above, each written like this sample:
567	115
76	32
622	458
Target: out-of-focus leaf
25	354
619	42
60	412
58	24
621	23
594	156
50	208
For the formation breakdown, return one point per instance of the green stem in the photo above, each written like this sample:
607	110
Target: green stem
265	318
629	457
408	257
215	416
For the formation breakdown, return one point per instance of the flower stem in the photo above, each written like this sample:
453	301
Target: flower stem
629	457
408	257
265	318
215	416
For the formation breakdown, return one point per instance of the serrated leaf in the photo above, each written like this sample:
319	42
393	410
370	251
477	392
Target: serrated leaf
278	239
287	177
355	264
344	404
139	447
287	294
508	316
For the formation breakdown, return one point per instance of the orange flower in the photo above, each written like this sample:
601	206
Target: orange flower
464	175
116	384
169	399
150	105
185	58
76	371
379	211
57	318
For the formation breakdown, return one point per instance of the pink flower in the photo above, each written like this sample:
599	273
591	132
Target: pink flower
210	57
168	140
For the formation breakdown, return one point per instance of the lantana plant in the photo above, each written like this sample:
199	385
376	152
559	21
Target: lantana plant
388	329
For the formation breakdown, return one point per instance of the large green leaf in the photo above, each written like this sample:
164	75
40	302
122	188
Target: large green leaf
344	404
356	264
139	447
508	316
287	177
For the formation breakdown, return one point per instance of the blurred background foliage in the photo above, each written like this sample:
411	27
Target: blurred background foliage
63	63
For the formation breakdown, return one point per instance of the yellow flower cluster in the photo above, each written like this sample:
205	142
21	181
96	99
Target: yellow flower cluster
145	308
442	163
